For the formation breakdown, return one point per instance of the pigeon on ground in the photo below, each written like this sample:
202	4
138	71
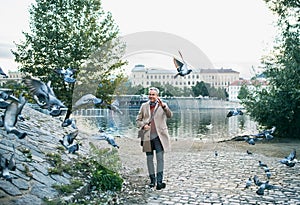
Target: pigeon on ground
69	138
3	73
248	152
251	140
216	153
234	112
4	168
248	183
43	93
71	148
67	74
12	162
261	164
109	138
257	182
182	68
11	116
261	188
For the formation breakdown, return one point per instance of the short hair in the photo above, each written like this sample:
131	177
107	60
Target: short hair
155	89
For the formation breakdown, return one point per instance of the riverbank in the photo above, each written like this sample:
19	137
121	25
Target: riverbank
194	175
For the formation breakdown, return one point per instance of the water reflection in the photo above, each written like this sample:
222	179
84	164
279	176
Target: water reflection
194	123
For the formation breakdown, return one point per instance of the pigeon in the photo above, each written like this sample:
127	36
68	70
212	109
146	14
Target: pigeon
248	152
67	74
234	112
257	182
12	162
5	96
69	121
11	116
69	138
248	183
88	99
216	153
4	167
268	174
266	133
115	107
251	140
261	164
110	139
43	93
56	110
71	148
290	160
261	188
2	73
182	68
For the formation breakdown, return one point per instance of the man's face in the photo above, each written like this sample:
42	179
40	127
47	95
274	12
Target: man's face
152	95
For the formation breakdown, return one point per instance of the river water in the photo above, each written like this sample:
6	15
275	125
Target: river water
203	123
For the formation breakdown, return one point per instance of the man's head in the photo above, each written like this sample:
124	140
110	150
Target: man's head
153	94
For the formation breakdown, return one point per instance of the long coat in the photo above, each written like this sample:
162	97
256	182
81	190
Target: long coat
160	119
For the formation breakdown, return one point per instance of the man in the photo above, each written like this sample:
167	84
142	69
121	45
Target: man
152	118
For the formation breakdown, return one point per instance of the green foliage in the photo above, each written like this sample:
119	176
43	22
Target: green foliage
200	89
105	179
65	34
243	93
68	188
279	105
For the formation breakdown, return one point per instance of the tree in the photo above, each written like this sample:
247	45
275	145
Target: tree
200	89
243	93
279	105
64	34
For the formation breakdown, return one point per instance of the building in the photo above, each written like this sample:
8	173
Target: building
218	78
234	87
12	76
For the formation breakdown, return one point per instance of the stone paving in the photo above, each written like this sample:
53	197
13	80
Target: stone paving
197	176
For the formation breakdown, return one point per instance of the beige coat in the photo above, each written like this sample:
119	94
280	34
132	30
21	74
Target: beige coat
160	119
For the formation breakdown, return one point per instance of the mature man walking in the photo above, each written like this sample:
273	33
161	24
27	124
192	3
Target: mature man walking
152	119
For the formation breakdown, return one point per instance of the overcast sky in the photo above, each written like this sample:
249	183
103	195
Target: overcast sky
232	33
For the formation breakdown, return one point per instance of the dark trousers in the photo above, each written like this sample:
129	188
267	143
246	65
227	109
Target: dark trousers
159	151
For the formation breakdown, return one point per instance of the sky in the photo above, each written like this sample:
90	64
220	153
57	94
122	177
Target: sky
232	34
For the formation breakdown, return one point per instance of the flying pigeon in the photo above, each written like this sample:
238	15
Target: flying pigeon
2	73
115	107
5	97
69	121
234	112
182	68
11	116
290	160
266	133
67	74
88	99
43	93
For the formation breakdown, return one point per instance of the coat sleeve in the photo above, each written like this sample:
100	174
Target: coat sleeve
140	118
168	112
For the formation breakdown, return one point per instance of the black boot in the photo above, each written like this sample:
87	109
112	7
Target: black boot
152	181
160	185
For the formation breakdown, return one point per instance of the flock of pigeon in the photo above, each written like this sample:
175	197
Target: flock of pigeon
45	98
289	161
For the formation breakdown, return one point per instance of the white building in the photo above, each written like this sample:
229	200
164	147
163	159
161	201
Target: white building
235	87
140	75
